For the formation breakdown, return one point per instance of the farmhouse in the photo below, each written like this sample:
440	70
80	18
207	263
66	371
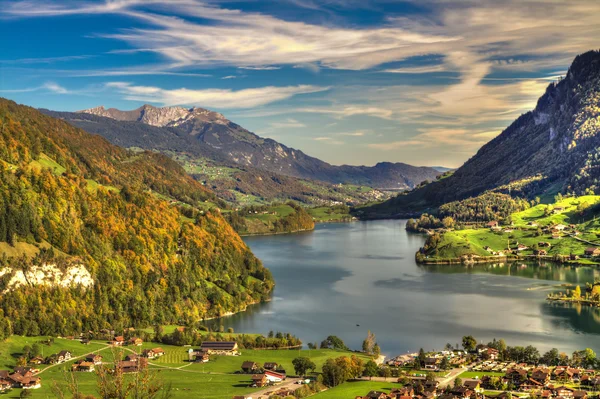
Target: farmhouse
83	366
94	358
153	353
592	251
63	356
270	366
228	348
259	380
136	341
249	367
273	376
492	224
541	375
118	341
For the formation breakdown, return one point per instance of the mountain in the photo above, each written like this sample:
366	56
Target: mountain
94	236
237	184
216	134
553	148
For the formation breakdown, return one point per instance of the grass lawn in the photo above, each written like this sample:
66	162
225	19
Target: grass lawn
12	348
356	388
479	374
326	214
46	162
232	364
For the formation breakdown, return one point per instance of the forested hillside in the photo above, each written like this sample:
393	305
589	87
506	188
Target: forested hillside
553	148
131	224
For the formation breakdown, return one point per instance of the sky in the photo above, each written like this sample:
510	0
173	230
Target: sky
426	82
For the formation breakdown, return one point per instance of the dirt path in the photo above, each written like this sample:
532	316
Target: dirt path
266	392
76	357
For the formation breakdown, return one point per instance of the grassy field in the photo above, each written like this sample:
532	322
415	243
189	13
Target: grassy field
46	162
356	388
219	378
327	214
479	374
455	244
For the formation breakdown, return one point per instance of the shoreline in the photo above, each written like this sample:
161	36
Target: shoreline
229	314
297	231
496	259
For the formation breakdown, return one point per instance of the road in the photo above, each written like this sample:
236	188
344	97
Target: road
289	383
449	379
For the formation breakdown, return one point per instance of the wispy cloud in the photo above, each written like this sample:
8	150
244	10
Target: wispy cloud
217	98
48	86
328	140
287	124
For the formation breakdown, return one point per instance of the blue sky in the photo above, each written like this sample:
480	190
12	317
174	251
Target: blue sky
425	82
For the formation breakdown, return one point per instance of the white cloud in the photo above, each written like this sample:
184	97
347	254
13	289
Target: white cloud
287	124
217	98
328	140
48	86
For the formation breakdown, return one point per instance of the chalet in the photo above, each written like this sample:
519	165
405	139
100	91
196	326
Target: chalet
473	385
516	375
130	366
530	385
540	252
522	247
556	235
23	379
492	353
83	366
493	224
406	390
375	395
541	375
487	248
249	367
259	380
132	357
462	392
198	356
579	394
136	341
587	380
270	366
63	356
36	360
242	397
228	348
4	385
94	358
592	251
153	353
560	227
558	209
564	392
563	373
118	341
431	363
85	341
273	376
509	230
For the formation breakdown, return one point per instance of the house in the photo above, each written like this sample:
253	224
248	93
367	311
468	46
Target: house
227	348
544	244
136	341
431	363
492	353
579	394
130	366
541	375
540	252
153	353
592	251
530	385
4	385
118	341
533	224
560	227
558	209
242	397
259	380
492	224
516	375
273	376
36	360
555	235
249	367
473	385
198	356
522	247
23	379
270	366
132	357
85	341
63	356
563	392
375	395
563	373
83	366
94	358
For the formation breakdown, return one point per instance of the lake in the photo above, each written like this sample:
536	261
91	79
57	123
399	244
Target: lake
345	279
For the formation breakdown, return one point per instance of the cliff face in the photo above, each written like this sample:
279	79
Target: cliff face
554	146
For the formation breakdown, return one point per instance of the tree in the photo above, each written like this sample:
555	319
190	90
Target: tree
449	347
577	292
36	350
371	369
469	343
550	358
368	343
457	382
445	363
339	370
420	360
448	222
333	342
430	376
302	365
386	372
376	350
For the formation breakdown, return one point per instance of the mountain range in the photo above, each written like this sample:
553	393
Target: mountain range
213	134
553	148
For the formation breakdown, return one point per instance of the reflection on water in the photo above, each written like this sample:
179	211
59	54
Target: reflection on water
344	275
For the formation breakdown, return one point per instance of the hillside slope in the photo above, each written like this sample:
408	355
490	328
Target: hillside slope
214	133
554	147
235	183
122	233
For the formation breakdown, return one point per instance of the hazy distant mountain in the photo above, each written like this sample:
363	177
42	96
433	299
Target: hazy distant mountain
555	147
225	139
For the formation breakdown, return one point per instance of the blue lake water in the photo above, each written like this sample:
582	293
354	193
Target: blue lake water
345	279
